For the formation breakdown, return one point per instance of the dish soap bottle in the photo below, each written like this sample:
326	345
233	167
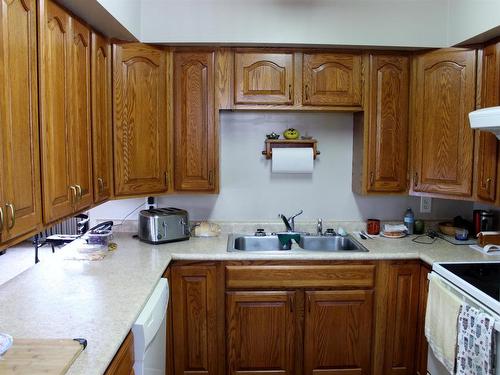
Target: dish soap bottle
409	220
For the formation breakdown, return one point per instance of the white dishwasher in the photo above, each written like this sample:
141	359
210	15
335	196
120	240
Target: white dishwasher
150	333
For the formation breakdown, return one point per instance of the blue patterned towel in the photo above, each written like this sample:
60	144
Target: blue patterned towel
476	342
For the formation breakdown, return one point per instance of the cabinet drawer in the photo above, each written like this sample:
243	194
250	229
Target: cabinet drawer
320	276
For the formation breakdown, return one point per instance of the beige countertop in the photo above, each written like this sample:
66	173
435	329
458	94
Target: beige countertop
100	300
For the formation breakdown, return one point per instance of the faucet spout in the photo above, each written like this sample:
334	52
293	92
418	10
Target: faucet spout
286	222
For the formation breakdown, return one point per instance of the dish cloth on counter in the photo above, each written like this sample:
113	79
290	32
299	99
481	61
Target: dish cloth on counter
476	342
441	319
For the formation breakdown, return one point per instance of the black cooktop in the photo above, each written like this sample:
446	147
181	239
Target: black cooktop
483	276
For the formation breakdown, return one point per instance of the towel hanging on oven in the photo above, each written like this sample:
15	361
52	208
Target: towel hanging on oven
476	342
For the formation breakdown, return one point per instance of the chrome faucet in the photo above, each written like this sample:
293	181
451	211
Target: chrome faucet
290	222
319	227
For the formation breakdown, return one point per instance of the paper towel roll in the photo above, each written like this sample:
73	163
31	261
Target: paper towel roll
293	160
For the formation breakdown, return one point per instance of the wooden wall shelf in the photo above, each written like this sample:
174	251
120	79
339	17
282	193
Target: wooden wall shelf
289	143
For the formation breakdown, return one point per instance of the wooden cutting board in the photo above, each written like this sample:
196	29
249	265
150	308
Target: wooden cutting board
41	356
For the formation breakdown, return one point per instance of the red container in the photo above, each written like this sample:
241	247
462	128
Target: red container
373	226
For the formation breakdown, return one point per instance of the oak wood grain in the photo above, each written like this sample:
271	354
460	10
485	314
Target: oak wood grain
422	346
443	94
194	122
263	78
295	276
338	331
102	136
55	132
331	79
194	313
79	114
140	120
260	332
387	123
19	133
123	361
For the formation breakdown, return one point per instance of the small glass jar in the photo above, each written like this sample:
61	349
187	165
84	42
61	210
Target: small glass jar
461	234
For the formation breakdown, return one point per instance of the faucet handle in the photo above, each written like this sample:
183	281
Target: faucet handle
297	214
319	227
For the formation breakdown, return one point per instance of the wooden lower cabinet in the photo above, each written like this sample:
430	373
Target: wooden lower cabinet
224	324
422	346
402	318
260	330
338	330
123	362
194	314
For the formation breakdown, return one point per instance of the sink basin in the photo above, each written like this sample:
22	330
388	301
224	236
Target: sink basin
241	242
330	243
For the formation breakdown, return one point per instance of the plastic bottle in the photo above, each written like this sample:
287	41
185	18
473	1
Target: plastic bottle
409	220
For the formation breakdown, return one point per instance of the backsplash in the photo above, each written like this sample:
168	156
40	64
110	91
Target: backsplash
250	192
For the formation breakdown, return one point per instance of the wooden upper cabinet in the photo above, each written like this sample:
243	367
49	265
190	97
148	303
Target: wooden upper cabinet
332	79
486	142
263	78
20	201
54	37
79	114
402	317
194	315
102	136
387	123
338	331
443	94
261	332
140	119
195	131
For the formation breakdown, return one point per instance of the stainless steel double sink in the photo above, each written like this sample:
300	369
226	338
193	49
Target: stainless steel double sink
242	242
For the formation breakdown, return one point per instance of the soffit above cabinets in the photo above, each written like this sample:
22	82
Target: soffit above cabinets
369	23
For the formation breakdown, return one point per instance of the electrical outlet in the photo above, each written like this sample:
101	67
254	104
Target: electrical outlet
425	205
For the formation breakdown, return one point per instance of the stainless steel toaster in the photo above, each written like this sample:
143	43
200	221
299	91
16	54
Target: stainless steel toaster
159	225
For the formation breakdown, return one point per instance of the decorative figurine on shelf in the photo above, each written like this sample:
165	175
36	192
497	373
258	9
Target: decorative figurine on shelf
272	135
291	133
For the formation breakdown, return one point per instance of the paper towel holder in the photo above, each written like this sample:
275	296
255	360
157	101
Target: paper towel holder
287	143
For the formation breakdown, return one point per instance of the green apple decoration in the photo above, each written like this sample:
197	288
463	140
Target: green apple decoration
291	133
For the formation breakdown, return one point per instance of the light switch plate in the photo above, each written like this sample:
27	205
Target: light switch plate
425	205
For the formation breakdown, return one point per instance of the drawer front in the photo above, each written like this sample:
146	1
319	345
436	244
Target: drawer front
321	276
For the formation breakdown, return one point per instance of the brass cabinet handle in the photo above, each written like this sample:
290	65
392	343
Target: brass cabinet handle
488	184
79	191
290	92
73	196
100	183
372	178
1	219
307	92
290	302
166	179
415	180
210	177
12	209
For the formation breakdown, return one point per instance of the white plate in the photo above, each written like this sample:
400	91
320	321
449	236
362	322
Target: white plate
5	342
404	234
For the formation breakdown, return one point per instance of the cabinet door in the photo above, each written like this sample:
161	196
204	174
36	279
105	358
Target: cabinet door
194	118
422	346
194	319
402	309
123	362
332	79
338	332
140	121
81	152
54	28
260	332
101	118
19	117
387	154
444	94
263	78
486	163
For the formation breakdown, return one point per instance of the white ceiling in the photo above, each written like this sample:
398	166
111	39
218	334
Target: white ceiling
391	23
